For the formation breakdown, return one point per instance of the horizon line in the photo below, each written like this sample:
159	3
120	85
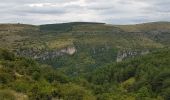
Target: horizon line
15	23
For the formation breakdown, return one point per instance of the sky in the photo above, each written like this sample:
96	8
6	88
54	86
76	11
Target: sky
107	11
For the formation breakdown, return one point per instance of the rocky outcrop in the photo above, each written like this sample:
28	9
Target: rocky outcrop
46	54
128	54
69	50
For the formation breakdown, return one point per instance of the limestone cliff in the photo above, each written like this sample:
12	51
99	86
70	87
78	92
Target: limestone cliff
46	54
127	54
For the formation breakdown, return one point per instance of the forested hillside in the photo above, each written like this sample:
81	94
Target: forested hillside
85	61
25	79
141	78
145	77
84	46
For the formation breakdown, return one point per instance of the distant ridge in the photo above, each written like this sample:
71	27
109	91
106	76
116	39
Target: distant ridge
64	26
82	23
76	23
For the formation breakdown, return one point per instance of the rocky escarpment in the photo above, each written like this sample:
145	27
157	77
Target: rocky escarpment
129	54
46	54
50	54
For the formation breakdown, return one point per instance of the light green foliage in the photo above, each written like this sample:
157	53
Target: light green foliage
147	79
75	92
91	73
7	95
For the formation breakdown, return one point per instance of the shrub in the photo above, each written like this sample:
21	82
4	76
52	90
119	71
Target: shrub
7	95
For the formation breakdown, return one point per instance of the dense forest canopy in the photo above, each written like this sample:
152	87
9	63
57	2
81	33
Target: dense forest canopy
85	61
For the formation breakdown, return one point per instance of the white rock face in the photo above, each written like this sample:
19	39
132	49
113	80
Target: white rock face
47	54
125	54
69	50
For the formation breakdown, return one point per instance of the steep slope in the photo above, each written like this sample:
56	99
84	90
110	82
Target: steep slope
25	79
147	77
157	31
89	61
143	78
153	26
83	45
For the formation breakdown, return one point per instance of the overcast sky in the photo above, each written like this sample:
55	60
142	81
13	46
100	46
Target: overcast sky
108	11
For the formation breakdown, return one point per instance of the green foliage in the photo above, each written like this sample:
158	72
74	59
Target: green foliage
7	95
5	78
41	90
74	92
6	55
21	86
166	93
36	81
91	73
64	26
36	75
143	93
86	59
151	75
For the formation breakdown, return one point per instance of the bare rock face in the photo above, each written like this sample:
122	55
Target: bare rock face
46	54
127	54
69	50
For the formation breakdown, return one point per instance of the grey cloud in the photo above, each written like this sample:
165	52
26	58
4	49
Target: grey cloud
44	10
109	11
158	7
35	1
